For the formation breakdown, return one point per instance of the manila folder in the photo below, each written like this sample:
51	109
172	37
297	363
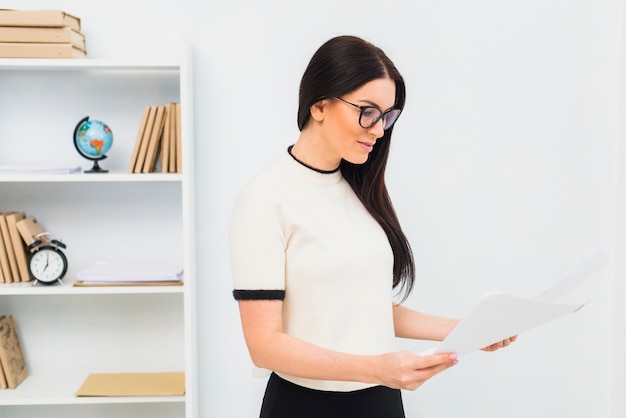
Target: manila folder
133	384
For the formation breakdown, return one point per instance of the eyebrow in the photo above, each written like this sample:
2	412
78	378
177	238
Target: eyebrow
376	105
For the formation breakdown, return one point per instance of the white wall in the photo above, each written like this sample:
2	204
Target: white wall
503	169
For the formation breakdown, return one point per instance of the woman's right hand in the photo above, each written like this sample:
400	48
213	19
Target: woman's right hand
407	370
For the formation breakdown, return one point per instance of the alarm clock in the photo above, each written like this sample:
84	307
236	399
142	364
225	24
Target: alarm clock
48	263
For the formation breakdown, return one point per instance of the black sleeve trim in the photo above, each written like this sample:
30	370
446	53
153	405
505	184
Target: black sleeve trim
259	294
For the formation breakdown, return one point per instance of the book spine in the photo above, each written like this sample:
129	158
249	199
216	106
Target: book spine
46	18
17	34
39	50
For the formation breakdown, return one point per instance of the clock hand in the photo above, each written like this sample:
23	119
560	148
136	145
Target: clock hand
47	258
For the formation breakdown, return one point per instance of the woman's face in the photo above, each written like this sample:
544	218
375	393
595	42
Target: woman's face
341	131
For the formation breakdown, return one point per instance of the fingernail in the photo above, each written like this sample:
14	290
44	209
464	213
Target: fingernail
453	356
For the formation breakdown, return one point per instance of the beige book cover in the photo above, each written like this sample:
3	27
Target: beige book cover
155	139
145	139
4	261
29	229
39	18
173	130
3	379
165	140
12	269
39	50
11	355
18	246
140	134
30	34
179	151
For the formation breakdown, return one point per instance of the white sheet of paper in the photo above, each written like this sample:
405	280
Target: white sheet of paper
498	316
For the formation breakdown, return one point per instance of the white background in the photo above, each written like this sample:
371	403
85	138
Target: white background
505	164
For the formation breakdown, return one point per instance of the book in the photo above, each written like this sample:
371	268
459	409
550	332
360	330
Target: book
14	275
156	144
165	140
145	139
5	267
11	355
30	34
40	50
172	142
3	252
140	134
18	246
54	18
155	139
30	230
179	155
3	379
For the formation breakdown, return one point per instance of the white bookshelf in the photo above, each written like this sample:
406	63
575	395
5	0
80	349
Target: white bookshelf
68	332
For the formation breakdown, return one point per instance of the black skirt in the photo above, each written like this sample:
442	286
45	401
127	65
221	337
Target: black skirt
284	399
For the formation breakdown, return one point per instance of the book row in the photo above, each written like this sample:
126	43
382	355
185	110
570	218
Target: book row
17	232
13	368
158	146
40	34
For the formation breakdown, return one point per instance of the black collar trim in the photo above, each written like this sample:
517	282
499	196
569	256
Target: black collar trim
308	166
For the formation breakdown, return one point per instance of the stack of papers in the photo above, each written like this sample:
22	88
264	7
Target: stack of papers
130	273
9	169
498	316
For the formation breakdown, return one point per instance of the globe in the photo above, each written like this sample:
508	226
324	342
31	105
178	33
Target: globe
93	139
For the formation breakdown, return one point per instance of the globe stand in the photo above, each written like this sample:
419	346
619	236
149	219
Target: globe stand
96	168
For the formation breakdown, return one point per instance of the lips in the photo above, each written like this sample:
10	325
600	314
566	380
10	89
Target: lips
367	146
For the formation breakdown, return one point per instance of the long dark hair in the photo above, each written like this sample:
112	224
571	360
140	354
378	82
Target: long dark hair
340	66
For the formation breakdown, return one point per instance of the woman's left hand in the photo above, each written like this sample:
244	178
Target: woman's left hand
500	344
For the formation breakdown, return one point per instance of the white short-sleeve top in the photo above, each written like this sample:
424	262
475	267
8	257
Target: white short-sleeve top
303	236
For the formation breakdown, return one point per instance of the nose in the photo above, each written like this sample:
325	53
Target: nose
377	128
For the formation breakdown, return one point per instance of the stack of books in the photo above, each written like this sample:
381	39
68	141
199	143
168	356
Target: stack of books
158	147
40	34
17	232
13	247
13	369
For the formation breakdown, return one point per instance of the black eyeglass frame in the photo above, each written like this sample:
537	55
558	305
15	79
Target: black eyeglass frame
382	115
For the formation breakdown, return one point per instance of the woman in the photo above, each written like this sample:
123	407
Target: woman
317	251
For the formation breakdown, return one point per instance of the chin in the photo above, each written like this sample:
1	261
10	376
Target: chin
357	160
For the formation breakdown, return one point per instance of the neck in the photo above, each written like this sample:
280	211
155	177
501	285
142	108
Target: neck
307	152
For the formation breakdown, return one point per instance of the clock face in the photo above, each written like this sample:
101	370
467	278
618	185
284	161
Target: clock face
48	265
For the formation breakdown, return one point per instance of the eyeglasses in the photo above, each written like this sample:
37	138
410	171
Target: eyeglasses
370	115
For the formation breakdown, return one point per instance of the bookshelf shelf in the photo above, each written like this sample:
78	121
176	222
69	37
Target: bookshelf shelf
66	331
60	390
12	64
68	288
112	177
